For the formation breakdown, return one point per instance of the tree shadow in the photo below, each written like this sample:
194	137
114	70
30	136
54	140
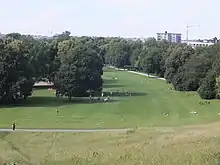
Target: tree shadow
217	157
47	101
35	101
124	94
92	101
108	70
112	86
109	81
41	88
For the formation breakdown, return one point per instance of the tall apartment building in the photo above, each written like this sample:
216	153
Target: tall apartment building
171	37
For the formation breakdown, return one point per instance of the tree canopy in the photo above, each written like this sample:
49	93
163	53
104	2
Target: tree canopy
75	64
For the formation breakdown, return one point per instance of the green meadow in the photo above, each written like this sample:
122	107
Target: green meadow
179	138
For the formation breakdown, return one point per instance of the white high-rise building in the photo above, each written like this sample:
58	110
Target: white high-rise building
171	37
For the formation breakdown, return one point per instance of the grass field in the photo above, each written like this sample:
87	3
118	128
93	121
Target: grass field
151	98
180	138
192	145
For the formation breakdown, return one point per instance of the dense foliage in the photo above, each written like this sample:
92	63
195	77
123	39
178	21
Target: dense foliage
187	69
75	64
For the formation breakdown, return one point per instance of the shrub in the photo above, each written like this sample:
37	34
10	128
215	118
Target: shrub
207	90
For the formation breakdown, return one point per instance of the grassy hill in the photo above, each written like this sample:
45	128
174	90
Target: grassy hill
180	138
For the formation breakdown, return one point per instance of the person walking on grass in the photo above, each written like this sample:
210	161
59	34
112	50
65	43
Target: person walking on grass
57	110
13	126
90	98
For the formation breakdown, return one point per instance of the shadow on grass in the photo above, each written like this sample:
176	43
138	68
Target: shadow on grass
109	81
41	88
217	157
124	94
113	86
3	134
109	70
46	101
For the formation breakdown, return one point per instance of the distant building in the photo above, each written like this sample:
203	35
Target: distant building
198	43
40	37
171	37
1	35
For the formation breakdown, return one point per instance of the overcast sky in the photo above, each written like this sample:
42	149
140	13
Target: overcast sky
127	18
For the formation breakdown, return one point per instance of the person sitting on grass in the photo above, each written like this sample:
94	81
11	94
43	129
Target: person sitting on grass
117	93
106	99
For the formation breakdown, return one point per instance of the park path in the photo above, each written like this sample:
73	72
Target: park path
143	74
64	130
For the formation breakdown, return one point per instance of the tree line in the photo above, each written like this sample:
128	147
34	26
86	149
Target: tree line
75	64
187	69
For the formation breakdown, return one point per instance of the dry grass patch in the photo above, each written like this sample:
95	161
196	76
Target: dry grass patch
153	146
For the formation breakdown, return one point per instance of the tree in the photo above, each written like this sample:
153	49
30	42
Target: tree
80	72
164	54
118	53
75	64
208	88
192	74
136	49
217	87
151	62
62	37
150	42
16	73
175	62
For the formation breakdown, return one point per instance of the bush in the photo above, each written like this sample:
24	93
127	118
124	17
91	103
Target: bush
207	90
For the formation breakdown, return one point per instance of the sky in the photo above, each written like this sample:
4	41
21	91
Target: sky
125	18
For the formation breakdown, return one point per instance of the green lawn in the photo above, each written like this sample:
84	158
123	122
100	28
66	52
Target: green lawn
184	145
150	99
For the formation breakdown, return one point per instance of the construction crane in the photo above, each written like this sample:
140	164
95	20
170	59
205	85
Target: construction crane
187	30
